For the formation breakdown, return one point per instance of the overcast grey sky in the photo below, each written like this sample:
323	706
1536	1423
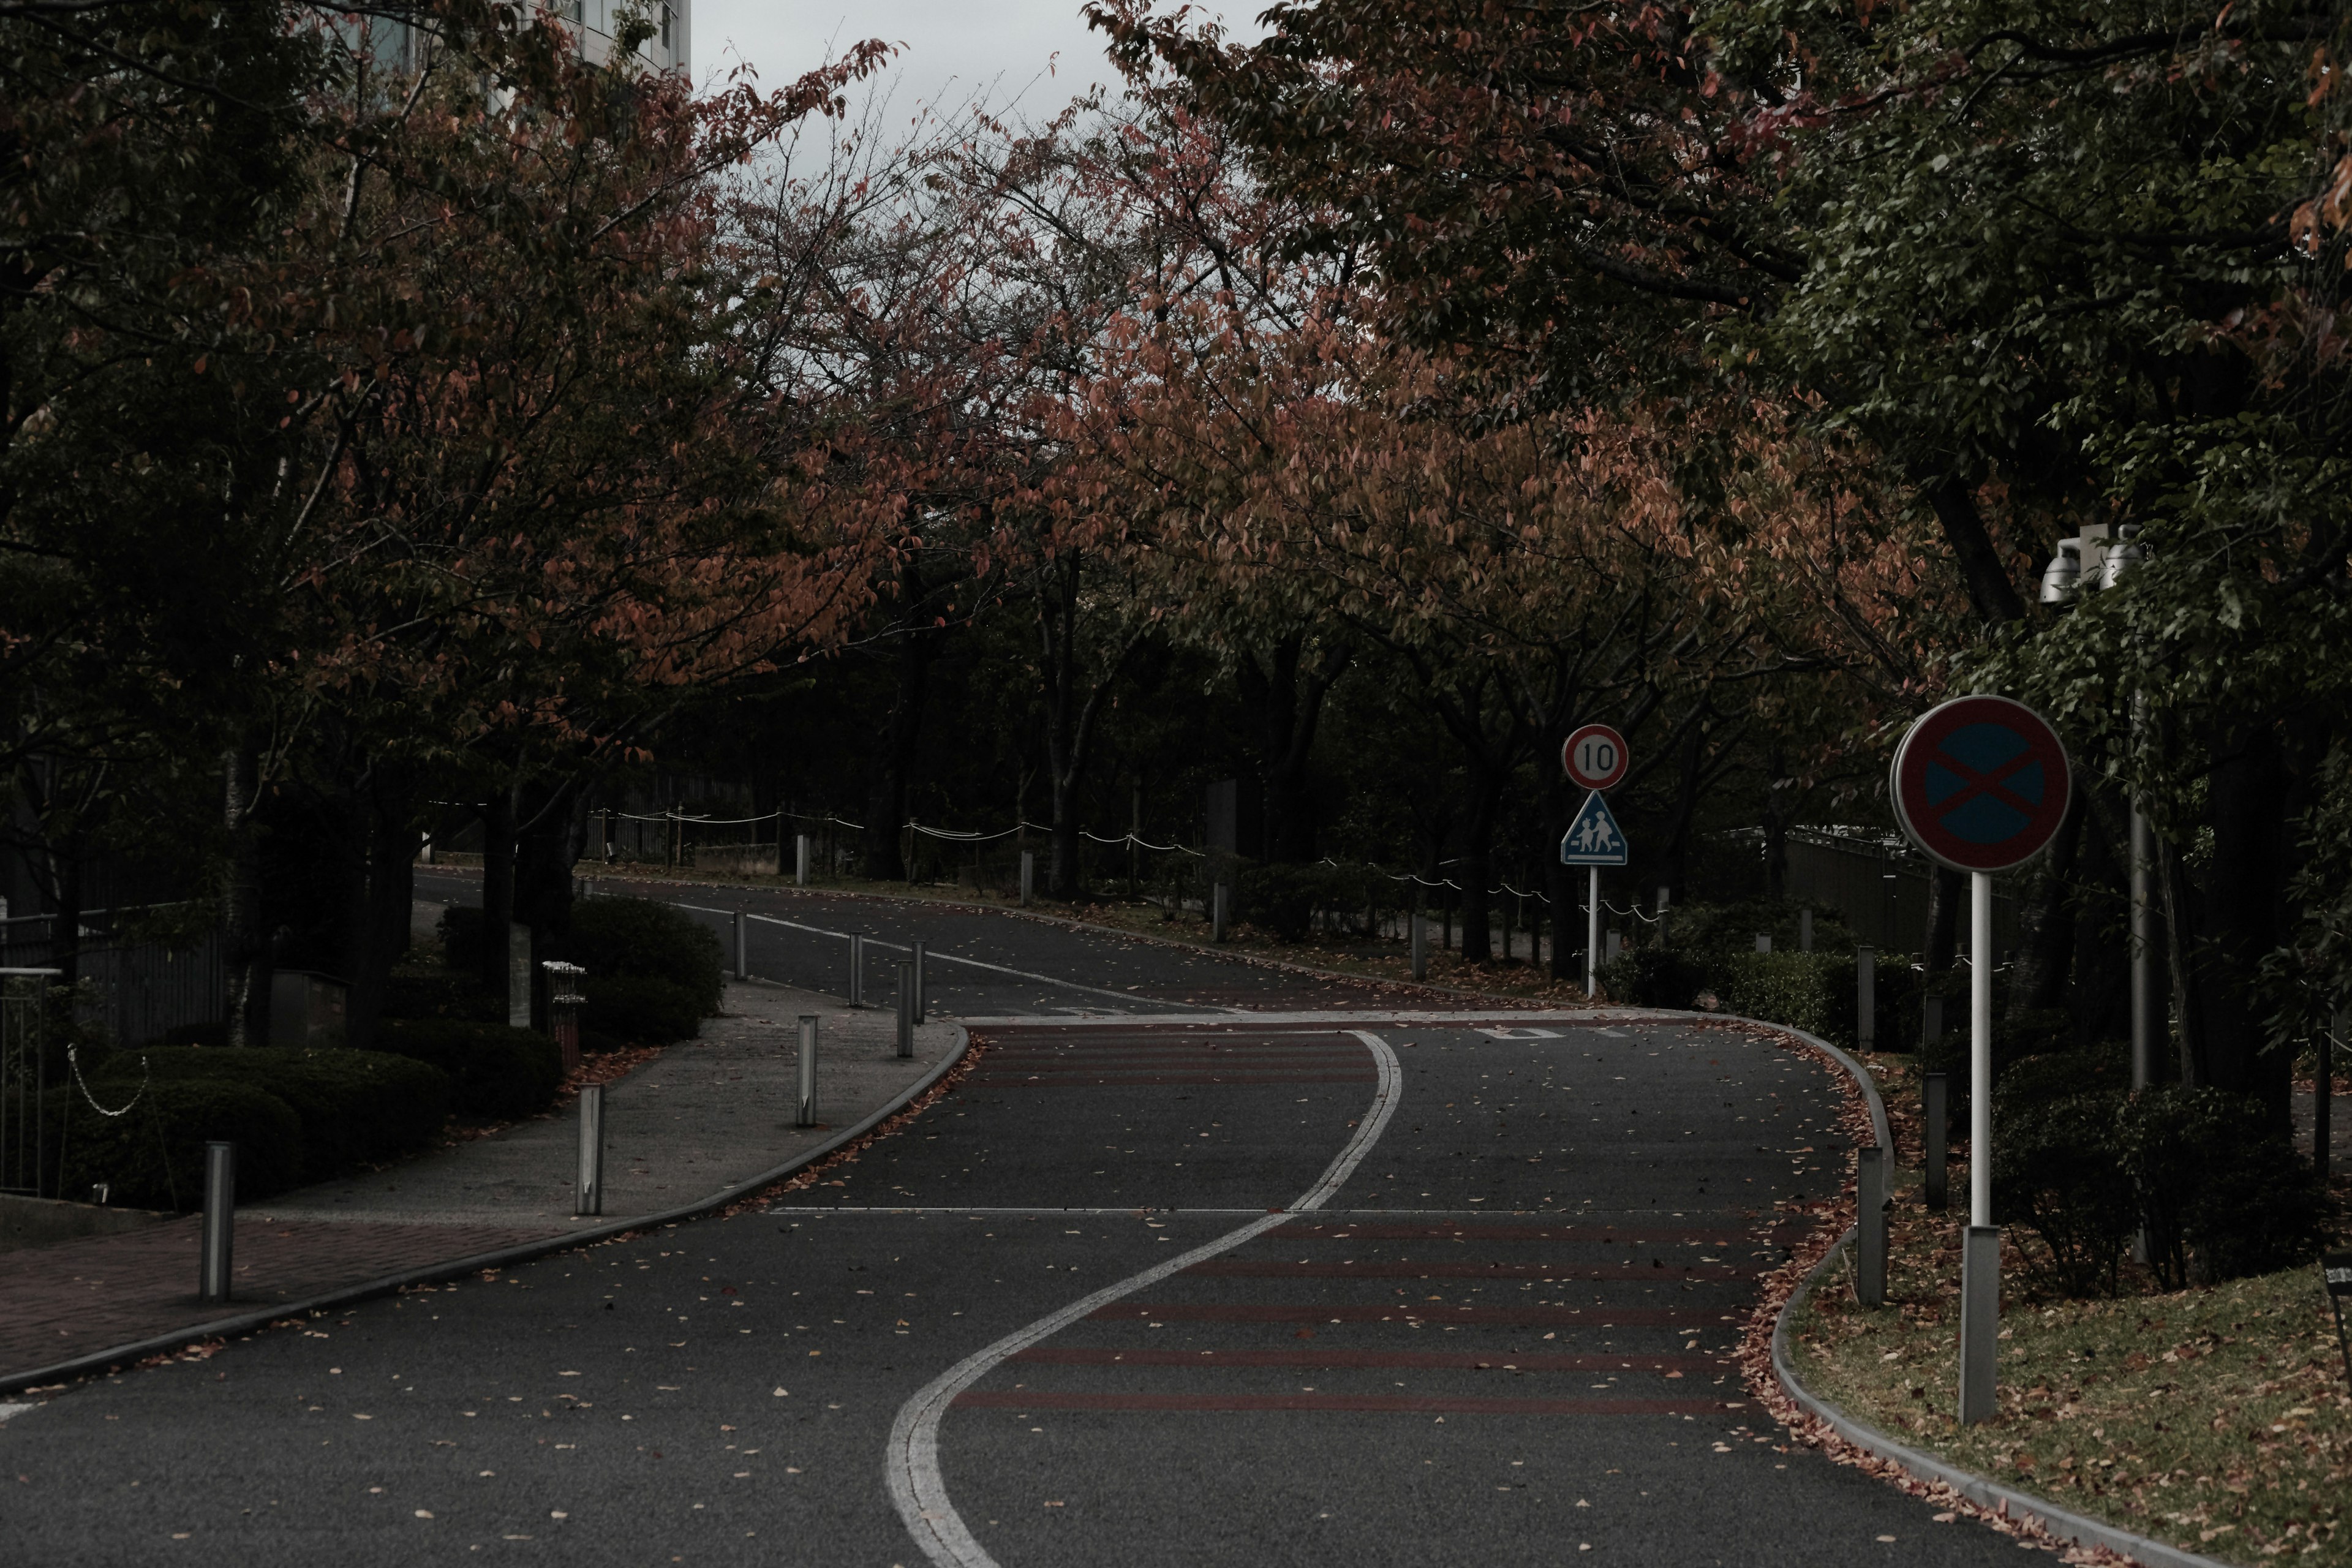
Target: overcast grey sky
951	48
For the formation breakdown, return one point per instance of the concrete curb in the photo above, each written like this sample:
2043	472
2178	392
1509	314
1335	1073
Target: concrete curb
522	1252
2064	1523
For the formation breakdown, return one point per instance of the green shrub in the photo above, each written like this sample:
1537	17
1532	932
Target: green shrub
153	1156
442	993
2057	1170
636	1010
1652	977
642	939
496	1073
2222	1193
356	1107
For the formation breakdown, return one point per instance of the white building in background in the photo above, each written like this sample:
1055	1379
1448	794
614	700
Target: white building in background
599	20
594	22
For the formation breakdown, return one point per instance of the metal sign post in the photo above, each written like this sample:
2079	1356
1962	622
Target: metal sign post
1593	840
2335	1271
1980	784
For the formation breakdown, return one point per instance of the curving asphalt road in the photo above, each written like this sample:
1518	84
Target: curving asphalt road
1498	1336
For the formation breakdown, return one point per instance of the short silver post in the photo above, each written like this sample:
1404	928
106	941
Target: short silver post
220	1219
1865	996
800	859
1980	1320
1028	876
805	1102
905	1007
922	988
1216	912
589	1198
1666	902
1869	1220
857	969
1420	945
1804	930
1938	1137
742	950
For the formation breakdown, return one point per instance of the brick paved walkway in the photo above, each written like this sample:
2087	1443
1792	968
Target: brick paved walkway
74	1298
703	1116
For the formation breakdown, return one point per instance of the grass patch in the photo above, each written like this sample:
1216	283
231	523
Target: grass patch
2217	1419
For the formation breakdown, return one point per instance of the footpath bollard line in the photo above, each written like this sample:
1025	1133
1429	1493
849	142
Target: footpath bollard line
856	970
804	1101
905	1007
588	1197
220	1220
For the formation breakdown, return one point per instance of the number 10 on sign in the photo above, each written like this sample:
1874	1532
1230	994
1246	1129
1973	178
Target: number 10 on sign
1595	757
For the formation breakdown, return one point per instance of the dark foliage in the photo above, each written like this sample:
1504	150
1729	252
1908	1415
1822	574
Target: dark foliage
498	1073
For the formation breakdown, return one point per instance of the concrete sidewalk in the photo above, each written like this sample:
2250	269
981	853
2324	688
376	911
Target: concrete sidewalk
705	1115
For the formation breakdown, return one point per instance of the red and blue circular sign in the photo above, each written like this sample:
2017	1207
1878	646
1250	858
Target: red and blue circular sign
1980	783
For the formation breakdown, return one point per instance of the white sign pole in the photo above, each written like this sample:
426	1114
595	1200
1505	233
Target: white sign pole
1980	1048
1981	1247
1592	932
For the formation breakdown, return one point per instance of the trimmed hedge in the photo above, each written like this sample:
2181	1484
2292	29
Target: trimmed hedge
153	1157
1652	977
635	1010
642	939
1815	992
2219	1193
496	1073
356	1108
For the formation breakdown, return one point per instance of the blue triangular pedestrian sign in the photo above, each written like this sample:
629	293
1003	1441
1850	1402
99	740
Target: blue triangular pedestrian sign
1594	837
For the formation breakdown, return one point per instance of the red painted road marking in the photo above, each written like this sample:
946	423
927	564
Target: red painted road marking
1004	1080
1416	1360
1400	1404
1579	1233
1532	1314
1271	1268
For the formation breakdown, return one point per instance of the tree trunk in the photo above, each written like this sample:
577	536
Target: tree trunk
2242	891
2180	912
1477	866
245	942
1288	703
380	934
882	857
1940	944
1690	768
2047	939
497	889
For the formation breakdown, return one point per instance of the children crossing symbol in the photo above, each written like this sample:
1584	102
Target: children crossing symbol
1594	837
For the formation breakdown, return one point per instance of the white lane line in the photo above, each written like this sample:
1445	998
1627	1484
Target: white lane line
8	1410
1127	998
911	1466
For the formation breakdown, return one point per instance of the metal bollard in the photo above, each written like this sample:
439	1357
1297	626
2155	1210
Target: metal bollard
800	859
1028	876
1869	1221
856	970
220	1220
905	1007
1931	1021
588	1197
1216	912
1865	996
1763	942
1804	930
1420	945
1938	1137
1980	1320
805	1102
922	991
742	950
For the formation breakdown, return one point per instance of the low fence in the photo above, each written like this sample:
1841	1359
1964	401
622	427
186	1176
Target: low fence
135	993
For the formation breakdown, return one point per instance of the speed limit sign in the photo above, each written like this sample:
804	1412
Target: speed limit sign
1594	756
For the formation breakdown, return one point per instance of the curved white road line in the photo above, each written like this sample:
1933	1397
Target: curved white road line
912	1465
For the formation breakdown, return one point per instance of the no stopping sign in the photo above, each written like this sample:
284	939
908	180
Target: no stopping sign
1980	783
